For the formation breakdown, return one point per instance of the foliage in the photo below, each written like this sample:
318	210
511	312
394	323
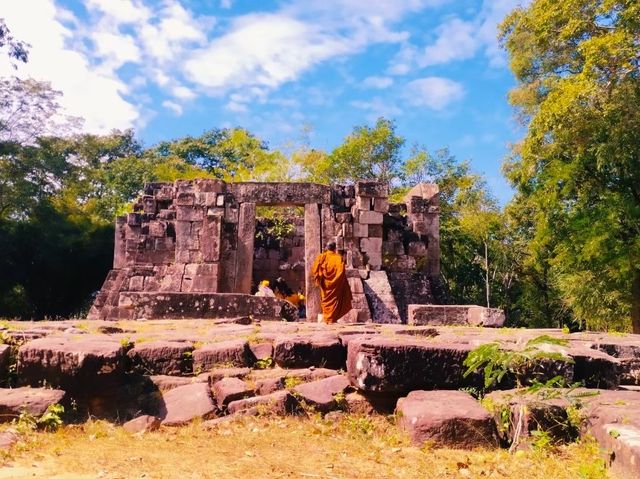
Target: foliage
50	421
16	49
263	363
497	362
29	109
367	153
577	170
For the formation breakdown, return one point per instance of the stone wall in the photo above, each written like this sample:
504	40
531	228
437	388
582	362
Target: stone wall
199	236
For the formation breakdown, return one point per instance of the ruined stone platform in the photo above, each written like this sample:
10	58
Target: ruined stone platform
217	369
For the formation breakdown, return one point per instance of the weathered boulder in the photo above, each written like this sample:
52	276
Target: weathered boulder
400	366
448	418
226	353
227	390
186	403
162	357
34	401
279	402
301	351
322	394
142	424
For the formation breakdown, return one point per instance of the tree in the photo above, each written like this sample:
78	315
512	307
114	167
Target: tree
30	109
16	49
367	153
577	170
222	152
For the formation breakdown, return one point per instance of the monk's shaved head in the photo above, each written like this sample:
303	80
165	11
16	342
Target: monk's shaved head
331	245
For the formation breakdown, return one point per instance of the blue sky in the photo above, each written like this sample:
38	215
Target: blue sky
168	68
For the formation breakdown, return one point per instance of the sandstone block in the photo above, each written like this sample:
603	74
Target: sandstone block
142	424
280	402
369	217
231	389
167	383
321	394
162	357
35	401
262	351
372	189
381	205
233	353
186	403
449	418
189	213
400	366
360	230
216	374
312	350
70	363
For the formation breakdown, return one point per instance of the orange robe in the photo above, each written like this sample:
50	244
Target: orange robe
335	295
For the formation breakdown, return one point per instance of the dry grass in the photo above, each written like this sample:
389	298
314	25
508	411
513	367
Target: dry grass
354	447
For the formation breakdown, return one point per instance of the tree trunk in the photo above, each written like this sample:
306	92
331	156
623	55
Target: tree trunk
635	303
486	265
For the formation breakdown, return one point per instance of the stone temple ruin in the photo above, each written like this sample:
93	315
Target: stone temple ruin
190	251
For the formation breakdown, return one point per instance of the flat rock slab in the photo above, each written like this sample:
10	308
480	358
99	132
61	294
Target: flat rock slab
142	424
216	374
271	380
228	353
166	383
400	366
186	403
162	357
35	401
279	402
448	418
8	439
321	394
262	351
302	351
455	315
69	362
231	389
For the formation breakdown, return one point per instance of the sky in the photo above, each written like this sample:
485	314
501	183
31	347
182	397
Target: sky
169	68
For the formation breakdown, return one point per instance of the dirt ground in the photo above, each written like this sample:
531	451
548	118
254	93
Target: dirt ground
271	447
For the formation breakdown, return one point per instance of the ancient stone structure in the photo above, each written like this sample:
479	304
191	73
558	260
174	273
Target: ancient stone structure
189	250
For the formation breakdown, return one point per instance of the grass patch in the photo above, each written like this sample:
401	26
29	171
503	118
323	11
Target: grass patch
271	447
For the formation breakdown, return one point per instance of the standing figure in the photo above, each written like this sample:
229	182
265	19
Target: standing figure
329	273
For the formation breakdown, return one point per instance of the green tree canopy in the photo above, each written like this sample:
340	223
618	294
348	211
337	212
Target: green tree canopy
577	170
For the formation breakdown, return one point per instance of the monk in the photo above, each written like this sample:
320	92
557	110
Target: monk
328	273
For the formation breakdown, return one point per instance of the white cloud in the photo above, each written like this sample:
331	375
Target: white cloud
121	11
226	4
183	93
377	107
456	41
434	92
236	107
380	82
173	106
261	50
116	49
96	94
